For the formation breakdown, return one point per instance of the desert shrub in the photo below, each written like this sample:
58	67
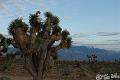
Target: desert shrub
8	61
4	78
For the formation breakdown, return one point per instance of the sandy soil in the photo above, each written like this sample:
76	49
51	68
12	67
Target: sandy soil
15	77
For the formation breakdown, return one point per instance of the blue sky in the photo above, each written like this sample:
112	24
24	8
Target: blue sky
90	22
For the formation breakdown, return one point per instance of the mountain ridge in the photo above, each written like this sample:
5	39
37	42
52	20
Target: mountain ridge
81	52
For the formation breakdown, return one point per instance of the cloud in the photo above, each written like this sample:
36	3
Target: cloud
114	40
104	44
114	47
110	46
96	34
13	8
82	35
105	40
18	5
7	8
43	6
108	33
4	9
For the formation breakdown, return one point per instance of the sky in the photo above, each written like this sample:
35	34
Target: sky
91	22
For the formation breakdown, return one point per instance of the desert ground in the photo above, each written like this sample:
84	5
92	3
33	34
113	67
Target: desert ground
63	70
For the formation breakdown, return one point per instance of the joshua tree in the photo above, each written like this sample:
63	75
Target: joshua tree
4	43
1	36
92	58
93	62
36	41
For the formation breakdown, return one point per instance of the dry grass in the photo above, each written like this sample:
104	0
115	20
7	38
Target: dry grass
65	70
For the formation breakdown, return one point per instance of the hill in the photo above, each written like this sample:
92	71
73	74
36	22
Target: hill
80	52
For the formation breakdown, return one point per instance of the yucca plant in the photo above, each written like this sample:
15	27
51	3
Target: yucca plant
36	41
1	36
4	43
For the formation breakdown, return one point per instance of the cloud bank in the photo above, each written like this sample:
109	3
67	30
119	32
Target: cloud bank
105	40
12	8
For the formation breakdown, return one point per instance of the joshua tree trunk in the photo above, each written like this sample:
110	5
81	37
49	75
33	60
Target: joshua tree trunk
32	66
37	63
37	78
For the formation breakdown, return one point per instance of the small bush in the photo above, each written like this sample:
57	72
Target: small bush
8	61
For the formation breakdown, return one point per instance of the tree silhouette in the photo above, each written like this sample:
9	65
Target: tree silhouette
36	41
4	43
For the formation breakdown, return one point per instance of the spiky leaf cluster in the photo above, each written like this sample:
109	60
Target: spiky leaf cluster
34	19
17	23
40	32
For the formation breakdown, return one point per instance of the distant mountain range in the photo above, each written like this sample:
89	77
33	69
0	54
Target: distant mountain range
81	52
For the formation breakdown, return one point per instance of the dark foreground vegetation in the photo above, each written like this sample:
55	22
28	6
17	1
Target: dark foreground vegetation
62	70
